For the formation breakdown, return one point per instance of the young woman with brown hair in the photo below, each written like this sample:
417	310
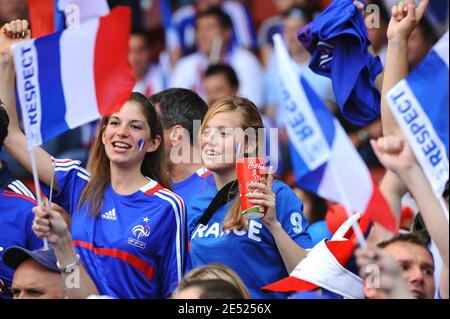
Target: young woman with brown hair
127	227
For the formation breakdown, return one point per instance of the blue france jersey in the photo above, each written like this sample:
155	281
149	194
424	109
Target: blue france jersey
135	248
253	254
191	187
16	218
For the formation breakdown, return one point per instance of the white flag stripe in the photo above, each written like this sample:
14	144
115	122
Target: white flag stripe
441	48
86	9
352	172
23	68
77	73
301	123
425	143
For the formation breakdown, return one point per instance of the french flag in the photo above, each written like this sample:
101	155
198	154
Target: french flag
324	159
49	16
73	77
420	105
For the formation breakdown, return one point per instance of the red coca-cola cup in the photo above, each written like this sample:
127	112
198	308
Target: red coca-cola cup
250	170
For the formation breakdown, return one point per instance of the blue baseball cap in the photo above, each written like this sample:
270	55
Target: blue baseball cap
14	256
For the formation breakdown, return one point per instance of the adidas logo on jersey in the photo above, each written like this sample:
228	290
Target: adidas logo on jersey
111	215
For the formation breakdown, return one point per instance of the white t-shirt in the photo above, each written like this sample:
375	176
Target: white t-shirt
189	74
152	83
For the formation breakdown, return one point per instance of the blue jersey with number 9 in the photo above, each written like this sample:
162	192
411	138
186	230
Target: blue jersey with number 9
252	253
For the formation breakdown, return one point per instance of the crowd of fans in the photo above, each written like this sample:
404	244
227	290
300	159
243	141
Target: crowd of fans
129	220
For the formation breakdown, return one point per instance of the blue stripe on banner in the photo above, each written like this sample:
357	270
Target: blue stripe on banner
306	179
321	111
429	82
53	103
60	19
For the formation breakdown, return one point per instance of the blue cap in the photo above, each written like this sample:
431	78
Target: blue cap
14	256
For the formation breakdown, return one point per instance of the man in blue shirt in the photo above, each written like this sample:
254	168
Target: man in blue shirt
181	112
16	216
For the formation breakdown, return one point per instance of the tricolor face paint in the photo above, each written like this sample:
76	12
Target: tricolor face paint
141	145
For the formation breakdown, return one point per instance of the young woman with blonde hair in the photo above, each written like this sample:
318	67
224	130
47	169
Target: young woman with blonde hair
259	251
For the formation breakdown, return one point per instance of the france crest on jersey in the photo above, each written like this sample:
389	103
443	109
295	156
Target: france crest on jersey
135	248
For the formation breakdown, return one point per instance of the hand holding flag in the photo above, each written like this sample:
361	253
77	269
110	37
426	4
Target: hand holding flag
73	77
12	33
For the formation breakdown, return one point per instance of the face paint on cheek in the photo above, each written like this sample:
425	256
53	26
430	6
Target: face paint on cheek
141	145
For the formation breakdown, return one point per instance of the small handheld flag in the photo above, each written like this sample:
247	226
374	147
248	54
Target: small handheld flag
72	77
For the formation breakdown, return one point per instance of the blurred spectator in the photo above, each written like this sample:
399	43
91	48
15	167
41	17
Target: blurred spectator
273	26
416	263
207	289
377	34
12	9
220	81
420	42
178	110
215	271
184	22
382	275
213	38
148	76
36	274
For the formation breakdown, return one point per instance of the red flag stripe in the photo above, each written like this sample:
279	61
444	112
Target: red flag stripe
380	212
114	79
42	17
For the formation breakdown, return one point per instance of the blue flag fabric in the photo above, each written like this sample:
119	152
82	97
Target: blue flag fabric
338	42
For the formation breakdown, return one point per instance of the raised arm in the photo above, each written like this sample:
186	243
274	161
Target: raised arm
396	155
405	18
16	142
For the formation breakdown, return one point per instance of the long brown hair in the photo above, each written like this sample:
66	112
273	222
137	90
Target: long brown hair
250	119
153	165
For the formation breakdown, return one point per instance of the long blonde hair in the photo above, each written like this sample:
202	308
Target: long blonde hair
215	271
250	119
